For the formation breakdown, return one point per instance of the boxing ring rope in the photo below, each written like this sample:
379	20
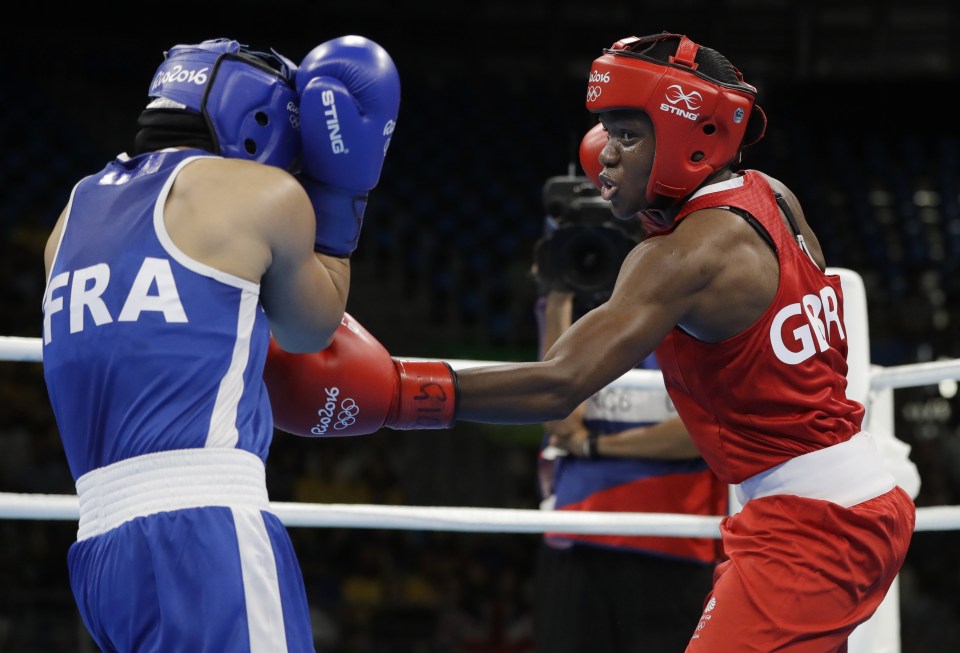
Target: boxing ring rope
496	520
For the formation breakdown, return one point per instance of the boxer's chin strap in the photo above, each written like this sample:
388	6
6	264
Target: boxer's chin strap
161	128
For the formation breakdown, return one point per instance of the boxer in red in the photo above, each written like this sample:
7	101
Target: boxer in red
729	289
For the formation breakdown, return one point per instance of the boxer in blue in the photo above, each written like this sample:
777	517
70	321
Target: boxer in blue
229	225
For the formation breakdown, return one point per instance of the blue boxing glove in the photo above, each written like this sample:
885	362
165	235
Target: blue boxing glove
349	99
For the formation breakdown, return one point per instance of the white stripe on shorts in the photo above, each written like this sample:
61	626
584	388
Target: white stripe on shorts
261	586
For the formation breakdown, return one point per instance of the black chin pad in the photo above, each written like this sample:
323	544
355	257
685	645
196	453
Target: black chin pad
161	128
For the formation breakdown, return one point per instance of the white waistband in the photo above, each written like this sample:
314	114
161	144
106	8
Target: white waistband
846	474
169	480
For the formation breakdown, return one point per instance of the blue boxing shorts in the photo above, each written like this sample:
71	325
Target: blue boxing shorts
177	551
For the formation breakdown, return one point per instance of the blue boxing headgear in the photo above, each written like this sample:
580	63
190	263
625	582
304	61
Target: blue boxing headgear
248	99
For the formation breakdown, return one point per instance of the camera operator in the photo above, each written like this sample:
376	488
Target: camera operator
583	245
623	450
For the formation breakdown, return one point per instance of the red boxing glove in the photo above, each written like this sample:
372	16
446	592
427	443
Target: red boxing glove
354	387
590	147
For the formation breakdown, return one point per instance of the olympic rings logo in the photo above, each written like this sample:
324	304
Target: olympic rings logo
346	417
348	414
593	93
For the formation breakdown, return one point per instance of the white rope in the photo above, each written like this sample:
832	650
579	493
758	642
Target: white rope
915	375
17	349
13	348
426	518
471	520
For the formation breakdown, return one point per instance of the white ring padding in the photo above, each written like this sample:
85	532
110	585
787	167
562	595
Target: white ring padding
469	520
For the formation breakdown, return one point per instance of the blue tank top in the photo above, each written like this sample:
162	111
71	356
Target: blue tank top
144	348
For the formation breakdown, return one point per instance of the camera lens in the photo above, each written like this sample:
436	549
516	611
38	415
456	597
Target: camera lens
592	257
582	248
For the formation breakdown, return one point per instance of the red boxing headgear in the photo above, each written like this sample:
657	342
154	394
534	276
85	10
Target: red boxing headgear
699	122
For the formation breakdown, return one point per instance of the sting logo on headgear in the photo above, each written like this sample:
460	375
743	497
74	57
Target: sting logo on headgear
698	121
675	96
247	98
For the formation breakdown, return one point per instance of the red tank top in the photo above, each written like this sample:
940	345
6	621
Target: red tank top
778	389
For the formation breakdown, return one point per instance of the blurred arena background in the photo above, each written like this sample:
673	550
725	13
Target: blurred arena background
863	126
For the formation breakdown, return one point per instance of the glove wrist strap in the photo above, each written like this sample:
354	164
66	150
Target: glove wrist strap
339	214
427	396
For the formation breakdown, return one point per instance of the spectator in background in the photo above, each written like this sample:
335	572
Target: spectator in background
626	451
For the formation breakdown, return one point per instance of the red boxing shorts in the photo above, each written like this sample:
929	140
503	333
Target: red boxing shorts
801	574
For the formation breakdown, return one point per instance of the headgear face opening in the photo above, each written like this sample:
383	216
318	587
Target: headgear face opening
247	98
700	123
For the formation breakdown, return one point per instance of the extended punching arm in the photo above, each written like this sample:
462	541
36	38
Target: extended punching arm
354	387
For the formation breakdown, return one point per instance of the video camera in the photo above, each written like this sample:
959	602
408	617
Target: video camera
583	245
